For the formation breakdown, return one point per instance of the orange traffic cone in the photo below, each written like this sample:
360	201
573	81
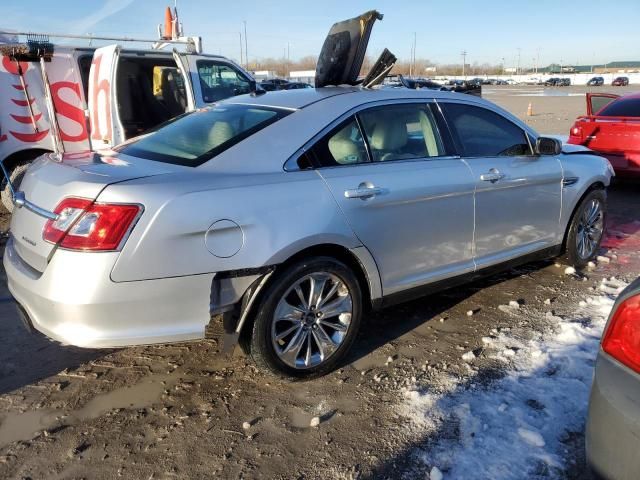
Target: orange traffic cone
530	110
168	24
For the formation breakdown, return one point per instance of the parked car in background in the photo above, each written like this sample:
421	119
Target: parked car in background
613	421
552	82
565	82
270	211
296	86
596	82
511	81
611	128
620	82
274	84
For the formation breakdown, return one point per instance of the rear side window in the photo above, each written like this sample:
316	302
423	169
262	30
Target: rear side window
401	132
483	133
624	107
192	139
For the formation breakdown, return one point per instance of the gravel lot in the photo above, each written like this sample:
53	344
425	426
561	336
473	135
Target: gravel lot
186	411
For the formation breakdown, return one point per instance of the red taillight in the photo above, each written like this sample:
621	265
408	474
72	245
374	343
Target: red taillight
84	225
576	131
622	338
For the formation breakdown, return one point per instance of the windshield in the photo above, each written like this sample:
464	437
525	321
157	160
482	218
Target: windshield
192	139
624	107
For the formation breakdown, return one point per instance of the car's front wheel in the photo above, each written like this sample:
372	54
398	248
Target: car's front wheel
308	318
586	229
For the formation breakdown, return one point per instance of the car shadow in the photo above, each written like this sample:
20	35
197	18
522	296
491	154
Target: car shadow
389	324
27	358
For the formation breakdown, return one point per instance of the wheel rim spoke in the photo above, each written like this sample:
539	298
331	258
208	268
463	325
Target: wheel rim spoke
325	343
288	331
332	291
337	307
337	326
292	350
316	286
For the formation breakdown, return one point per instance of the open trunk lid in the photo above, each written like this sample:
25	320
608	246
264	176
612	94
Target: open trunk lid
343	50
48	181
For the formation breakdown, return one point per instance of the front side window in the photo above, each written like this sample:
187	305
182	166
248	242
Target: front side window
192	139
401	132
483	133
219	81
344	145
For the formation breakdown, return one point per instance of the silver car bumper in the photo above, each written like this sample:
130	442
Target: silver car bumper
613	423
75	302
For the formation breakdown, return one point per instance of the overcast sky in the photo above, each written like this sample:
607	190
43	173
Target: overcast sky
571	31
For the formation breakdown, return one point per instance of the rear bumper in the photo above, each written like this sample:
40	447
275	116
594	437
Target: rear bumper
613	422
75	302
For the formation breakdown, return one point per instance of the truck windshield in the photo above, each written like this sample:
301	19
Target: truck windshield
194	138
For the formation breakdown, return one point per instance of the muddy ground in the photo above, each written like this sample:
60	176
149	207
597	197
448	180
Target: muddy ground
185	411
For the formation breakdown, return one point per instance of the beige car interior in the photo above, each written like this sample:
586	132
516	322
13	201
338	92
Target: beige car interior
389	134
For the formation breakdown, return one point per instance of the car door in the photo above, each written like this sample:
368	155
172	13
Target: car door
518	194
214	79
407	199
113	86
597	101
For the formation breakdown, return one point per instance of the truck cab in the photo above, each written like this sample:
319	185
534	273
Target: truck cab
103	97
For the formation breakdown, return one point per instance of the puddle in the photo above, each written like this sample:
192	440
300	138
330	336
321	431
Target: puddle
23	426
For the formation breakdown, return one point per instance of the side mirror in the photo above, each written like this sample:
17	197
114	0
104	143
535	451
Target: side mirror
548	146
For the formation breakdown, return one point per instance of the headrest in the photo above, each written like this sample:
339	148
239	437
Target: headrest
389	134
220	133
343	149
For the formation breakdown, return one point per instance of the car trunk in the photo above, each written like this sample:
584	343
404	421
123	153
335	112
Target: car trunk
617	138
48	181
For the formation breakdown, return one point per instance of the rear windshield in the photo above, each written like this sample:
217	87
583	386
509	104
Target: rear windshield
194	138
624	107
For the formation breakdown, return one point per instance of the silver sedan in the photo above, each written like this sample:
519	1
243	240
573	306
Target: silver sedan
288	215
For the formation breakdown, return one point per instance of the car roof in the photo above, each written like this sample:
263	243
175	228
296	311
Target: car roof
297	99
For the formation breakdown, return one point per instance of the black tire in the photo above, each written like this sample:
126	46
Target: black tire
262	349
16	174
572	255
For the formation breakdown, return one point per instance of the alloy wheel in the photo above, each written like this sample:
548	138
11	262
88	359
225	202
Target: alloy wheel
311	320
590	229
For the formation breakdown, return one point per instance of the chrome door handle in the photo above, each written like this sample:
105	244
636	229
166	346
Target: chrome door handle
492	176
364	192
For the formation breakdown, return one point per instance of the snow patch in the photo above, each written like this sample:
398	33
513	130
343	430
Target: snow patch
514	427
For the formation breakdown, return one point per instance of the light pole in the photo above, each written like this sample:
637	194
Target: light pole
518	66
246	51
464	61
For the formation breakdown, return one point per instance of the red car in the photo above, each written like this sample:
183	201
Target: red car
611	128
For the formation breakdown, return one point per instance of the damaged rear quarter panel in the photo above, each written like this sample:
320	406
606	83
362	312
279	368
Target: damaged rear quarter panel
280	213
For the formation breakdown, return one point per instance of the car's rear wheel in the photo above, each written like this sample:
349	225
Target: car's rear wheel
308	319
586	229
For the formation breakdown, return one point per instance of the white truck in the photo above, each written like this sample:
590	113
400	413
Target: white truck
102	96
